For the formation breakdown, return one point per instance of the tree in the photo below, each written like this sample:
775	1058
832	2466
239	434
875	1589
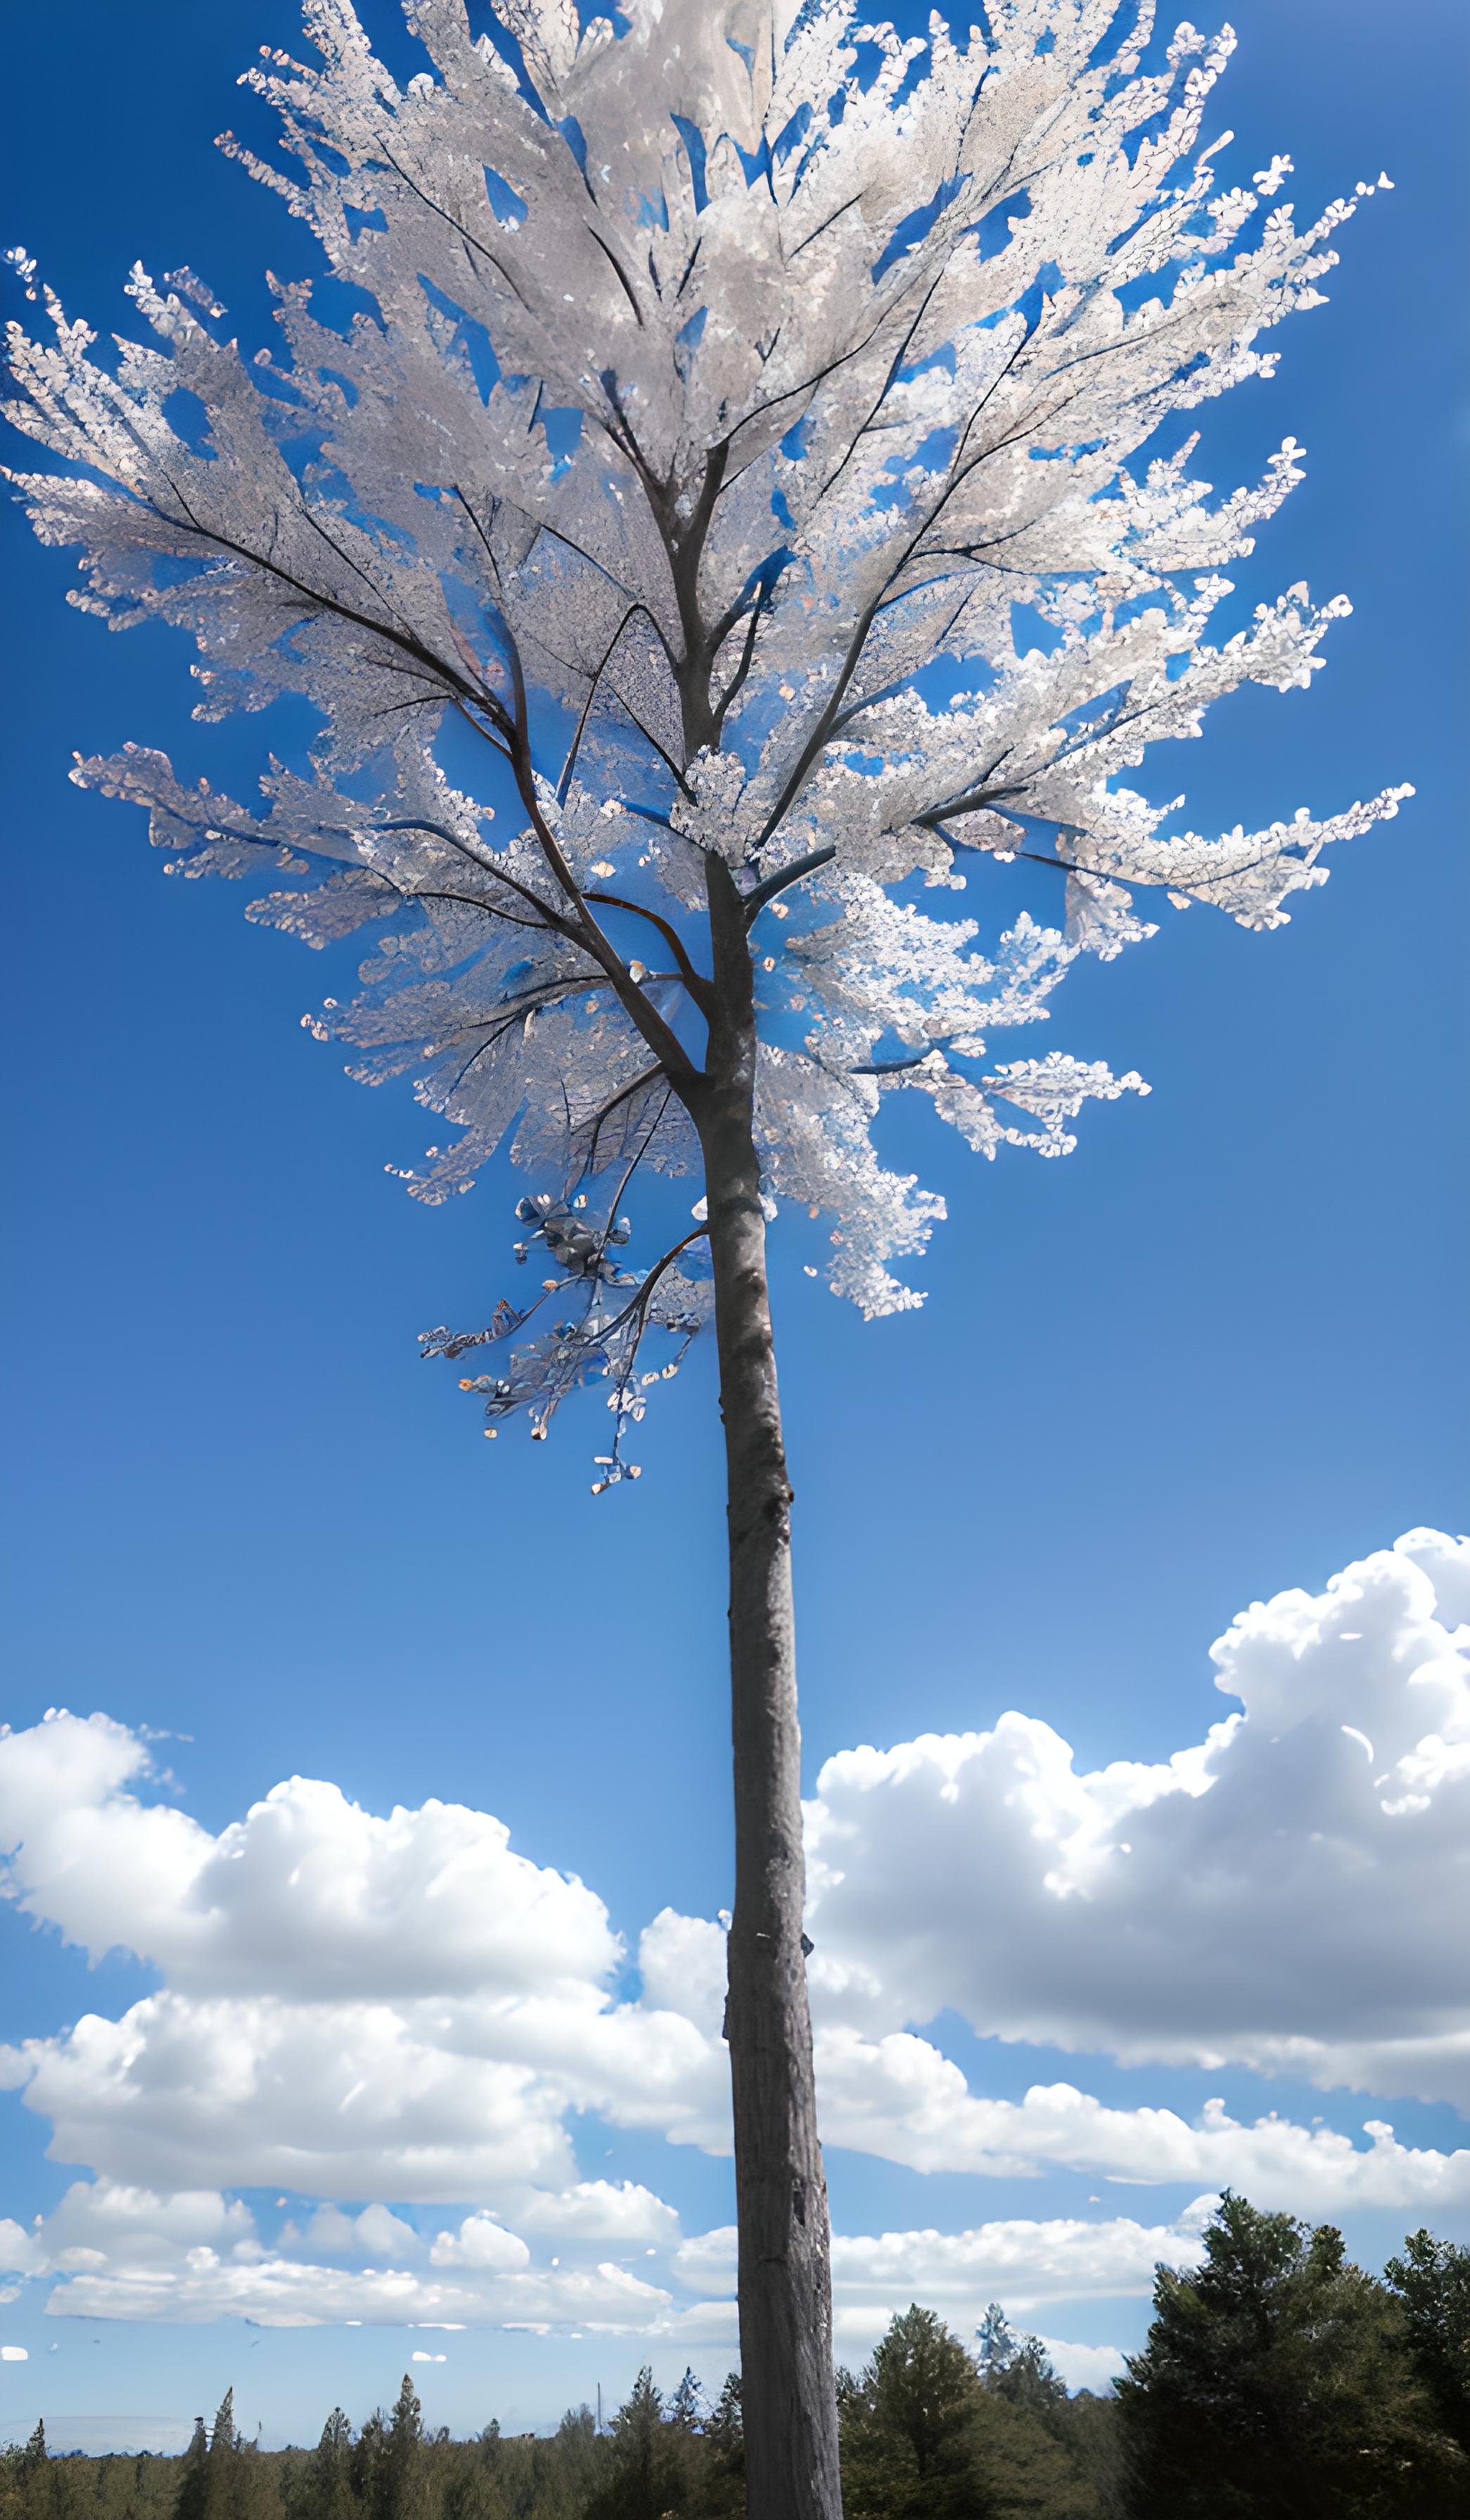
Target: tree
1017	2368
737	447
649	2463
1271	2383
928	2435
724	2468
1432	2280
396	2486
35	2477
688	2408
323	2488
190	2500
366	2461
220	2480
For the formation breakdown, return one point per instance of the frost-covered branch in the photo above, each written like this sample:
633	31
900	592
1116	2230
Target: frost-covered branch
721	374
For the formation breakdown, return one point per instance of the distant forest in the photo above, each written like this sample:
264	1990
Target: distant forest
1278	2382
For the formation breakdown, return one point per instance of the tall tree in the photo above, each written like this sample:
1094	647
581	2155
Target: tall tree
1432	2279
738	445
322	2489
399	2475
213	2484
929	2434
1272	2384
649	2461
33	2480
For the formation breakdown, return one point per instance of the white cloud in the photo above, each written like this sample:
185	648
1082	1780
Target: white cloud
374	2232
403	2011
898	2097
18	2252
481	2242
1085	2366
14	2354
598	2209
1022	2263
281	2292
1288	1894
125	2254
308	1895
681	1960
346	2100
857	2327
100	2220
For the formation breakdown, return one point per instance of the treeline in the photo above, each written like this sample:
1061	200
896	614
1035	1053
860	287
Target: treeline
1278	2382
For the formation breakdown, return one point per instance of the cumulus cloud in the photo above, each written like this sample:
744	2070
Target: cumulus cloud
124	2252
387	2013
900	2099
1288	1894
600	2209
1026	2264
374	2232
130	2254
481	2242
281	2292
424	1902
399	2009
18	2252
410	2100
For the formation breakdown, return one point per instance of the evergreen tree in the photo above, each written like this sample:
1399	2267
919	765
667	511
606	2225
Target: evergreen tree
469	2487
996	2341
365	2463
648	2462
723	2491
579	2458
36	2482
1432	2280
923	2388
927	2435
687	2408
908	2426
222	2481
322	2488
222	2478
401	2479
193	2500
1272	2388
1016	2368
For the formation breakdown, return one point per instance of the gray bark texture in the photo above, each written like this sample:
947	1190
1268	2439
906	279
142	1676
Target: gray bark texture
788	2392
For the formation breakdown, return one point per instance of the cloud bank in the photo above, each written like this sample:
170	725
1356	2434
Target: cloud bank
131	2254
1289	1894
402	2011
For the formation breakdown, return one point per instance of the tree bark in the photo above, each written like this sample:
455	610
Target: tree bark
787	2386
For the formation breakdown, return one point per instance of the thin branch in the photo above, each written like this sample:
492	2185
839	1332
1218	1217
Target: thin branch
627	284
624	1094
777	883
700	989
632	613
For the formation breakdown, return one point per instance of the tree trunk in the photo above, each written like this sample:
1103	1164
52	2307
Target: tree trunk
788	2395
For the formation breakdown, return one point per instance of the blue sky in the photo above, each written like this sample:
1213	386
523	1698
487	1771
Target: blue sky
1216	1353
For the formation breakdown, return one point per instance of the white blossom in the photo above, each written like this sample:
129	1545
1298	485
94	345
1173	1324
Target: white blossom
765	433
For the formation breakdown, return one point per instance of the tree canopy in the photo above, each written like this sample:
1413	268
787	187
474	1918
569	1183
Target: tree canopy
1278	2379
762	436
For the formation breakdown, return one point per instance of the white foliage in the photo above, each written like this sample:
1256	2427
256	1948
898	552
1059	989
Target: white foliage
708	398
